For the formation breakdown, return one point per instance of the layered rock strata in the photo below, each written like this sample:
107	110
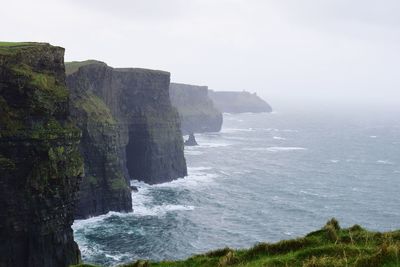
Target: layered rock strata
149	144
40	164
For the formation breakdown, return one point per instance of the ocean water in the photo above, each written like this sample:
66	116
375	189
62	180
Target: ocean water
264	177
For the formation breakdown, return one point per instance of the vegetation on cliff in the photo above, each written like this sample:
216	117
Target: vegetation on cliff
39	159
150	140
105	187
331	246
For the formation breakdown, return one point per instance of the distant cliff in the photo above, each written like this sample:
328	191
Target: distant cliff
239	102
105	186
40	165
196	110
149	141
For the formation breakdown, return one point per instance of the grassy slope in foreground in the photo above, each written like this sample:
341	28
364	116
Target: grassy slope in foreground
331	246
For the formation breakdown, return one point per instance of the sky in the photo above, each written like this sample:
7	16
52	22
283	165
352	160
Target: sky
337	53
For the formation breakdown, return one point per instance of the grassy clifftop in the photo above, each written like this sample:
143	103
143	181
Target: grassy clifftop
329	247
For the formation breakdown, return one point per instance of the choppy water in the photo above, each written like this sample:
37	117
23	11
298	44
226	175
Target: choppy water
264	177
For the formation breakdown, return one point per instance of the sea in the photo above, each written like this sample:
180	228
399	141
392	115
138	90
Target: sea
263	178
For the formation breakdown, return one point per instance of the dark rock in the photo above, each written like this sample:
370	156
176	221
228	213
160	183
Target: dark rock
239	102
105	186
134	188
40	164
191	141
196	110
150	143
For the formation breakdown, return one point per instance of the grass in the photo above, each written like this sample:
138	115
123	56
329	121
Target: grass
329	247
71	67
10	48
95	108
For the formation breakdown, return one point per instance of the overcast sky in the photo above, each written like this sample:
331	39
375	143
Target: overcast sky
288	51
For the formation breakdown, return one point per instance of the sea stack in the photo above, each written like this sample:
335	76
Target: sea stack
40	164
191	141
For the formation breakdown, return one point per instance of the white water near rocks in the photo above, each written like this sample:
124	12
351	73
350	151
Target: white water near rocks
264	177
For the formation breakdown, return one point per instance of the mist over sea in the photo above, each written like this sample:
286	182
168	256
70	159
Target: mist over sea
264	177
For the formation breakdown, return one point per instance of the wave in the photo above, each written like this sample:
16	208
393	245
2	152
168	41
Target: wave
233	130
160	210
212	145
192	152
373	136
284	148
278	138
197	176
275	149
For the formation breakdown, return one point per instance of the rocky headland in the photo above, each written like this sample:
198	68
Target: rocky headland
197	111
239	102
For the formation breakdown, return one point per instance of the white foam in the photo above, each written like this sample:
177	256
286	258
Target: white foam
334	160
142	202
212	145
278	138
233	130
193	152
373	136
275	149
161	210
282	148
197	176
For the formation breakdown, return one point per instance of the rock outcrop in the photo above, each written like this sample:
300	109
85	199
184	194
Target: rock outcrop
40	164
149	143
196	110
105	186
191	141
239	102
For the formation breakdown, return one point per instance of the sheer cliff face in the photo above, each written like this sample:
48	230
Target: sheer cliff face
105	186
150	142
239	102
196	110
40	165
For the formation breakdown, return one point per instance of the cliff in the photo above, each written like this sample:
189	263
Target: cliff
149	143
196	110
105	186
330	246
40	164
239	102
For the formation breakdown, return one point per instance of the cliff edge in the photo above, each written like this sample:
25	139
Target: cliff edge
239	102
105	186
40	164
196	110
149	143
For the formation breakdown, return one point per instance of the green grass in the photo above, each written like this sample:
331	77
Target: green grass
95	108
71	67
10	48
329	247
14	44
